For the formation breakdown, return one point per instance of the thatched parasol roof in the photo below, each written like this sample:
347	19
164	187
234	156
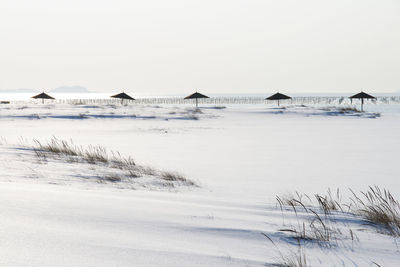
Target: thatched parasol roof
123	96
43	96
278	96
362	95
196	95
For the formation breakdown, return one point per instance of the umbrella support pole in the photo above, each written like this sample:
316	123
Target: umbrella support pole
362	104
278	102
197	104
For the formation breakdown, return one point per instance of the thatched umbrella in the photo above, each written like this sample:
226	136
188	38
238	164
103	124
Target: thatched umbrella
278	96
362	96
196	96
123	96
43	96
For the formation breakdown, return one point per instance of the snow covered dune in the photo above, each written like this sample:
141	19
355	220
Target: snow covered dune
63	210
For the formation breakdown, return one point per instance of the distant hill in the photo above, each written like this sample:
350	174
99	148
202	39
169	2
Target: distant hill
19	91
70	89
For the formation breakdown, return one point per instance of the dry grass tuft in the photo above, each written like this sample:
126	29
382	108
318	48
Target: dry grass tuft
294	258
176	177
378	207
348	110
98	155
91	154
314	228
316	221
171	176
311	226
328	203
112	178
292	200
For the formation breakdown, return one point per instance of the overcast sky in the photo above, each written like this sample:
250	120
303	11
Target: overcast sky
217	46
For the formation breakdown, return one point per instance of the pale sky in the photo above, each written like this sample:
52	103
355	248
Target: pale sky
216	46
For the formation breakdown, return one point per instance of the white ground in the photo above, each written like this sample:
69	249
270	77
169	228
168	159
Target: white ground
241	156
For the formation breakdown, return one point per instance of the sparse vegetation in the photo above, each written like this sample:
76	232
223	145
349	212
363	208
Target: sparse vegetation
296	258
112	178
90	154
293	258
292	200
192	117
316	223
98	155
348	110
175	177
378	207
312	227
328	203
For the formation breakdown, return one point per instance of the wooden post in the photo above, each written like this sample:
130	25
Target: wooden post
278	102
362	103
196	103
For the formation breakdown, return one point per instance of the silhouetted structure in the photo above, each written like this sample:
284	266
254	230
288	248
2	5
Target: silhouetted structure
362	96
196	96
278	96
43	96
123	97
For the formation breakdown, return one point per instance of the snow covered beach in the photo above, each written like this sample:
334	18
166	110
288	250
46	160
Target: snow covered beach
241	156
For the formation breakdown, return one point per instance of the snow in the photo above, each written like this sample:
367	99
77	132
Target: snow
242	156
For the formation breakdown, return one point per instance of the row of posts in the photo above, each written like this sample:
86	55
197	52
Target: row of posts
216	100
